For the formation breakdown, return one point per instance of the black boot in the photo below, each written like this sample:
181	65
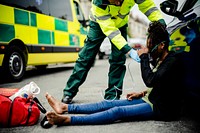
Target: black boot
67	100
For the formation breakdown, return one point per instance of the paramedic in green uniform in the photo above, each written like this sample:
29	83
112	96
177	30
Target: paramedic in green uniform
108	18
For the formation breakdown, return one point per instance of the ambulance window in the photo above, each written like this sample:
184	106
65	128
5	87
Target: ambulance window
39	6
79	12
61	9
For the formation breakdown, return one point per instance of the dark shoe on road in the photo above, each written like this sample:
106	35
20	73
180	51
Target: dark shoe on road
67	100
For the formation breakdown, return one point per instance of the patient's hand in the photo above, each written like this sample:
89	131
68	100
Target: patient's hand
135	95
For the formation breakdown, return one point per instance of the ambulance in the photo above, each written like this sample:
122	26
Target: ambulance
38	33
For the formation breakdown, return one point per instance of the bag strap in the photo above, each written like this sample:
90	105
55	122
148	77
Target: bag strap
41	108
29	111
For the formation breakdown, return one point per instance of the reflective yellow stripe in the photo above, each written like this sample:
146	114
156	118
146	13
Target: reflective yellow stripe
105	17
122	16
119	41
155	16
148	12
92	17
113	34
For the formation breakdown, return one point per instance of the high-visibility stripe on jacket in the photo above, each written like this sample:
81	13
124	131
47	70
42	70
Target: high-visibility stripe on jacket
111	17
149	8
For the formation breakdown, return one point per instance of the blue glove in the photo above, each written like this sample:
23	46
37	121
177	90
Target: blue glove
133	54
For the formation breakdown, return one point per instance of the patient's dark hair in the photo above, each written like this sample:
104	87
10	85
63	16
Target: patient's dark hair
157	34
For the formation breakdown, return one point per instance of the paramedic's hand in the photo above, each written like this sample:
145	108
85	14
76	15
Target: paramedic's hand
134	55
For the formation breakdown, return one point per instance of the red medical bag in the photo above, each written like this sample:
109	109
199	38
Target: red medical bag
19	112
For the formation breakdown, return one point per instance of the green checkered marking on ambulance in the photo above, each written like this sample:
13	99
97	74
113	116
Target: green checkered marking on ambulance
74	40
6	32
33	19
52	38
44	37
61	25
21	17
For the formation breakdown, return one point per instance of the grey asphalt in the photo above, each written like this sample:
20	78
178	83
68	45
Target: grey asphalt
54	79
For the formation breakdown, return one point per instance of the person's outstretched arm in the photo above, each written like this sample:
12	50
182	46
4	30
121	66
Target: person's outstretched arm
150	10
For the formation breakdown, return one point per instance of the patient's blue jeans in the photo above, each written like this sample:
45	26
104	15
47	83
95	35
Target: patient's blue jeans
110	111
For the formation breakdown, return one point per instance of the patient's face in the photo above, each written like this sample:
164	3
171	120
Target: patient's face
152	50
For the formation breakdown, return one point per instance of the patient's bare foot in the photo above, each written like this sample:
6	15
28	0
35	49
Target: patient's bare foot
57	119
58	106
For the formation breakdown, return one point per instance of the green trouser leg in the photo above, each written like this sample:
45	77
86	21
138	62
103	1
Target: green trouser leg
86	58
117	71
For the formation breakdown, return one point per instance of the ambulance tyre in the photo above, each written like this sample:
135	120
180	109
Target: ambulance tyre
14	64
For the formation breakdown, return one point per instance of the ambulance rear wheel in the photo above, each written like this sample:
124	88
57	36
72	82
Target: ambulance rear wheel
14	64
